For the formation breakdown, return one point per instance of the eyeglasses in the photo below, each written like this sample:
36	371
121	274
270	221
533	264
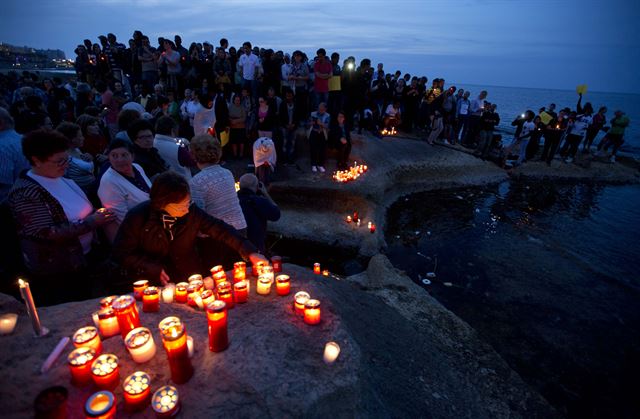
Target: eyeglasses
61	162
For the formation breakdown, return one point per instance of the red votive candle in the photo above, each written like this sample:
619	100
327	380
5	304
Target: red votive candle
105	371
312	312
216	269
137	391
299	300
127	314
166	402
87	336
316	268
283	284
239	271
256	269
139	287
108	322
241	291
100	405
217	321
276	261
181	292
106	302
219	277
224	293
192	291
174	339
79	361
151	300
194	278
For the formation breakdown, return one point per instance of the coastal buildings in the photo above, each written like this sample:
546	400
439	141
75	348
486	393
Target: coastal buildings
12	56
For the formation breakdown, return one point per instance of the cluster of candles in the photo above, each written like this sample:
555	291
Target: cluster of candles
119	315
391	131
350	174
356	220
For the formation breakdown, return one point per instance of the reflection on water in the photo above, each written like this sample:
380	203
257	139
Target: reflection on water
547	273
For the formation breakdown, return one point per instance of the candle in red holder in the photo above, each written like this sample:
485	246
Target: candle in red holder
267	272
224	293
316	268
88	337
192	291
276	261
194	277
299	300
140	344
216	269
80	360
356	217
107	301
181	292
241	291
139	287
372	227
137	391
239	271
219	277
166	402
108	322
207	297
174	338
151	300
127	314
256	269
283	284
312	312
105	371
217	320
100	405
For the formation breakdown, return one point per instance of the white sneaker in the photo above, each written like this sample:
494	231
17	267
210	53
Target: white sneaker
314	169
321	169
612	159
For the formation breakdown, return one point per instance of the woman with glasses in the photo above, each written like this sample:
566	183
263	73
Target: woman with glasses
146	155
123	186
56	222
157	239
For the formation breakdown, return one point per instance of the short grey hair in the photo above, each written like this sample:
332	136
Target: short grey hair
249	181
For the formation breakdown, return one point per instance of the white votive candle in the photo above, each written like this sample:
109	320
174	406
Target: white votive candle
8	323
331	352
264	286
140	344
167	294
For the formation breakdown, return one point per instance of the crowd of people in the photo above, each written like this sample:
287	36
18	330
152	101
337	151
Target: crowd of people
128	153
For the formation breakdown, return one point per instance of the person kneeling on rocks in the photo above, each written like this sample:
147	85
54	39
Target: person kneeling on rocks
258	208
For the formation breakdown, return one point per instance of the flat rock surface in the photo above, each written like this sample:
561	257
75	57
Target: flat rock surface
390	364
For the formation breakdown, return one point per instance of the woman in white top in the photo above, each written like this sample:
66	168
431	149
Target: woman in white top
123	186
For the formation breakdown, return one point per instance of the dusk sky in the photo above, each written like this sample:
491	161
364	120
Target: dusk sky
553	44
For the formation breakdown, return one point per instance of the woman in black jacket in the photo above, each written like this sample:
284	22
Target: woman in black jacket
156	240
340	138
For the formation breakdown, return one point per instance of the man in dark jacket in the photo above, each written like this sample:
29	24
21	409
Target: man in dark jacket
157	238
258	208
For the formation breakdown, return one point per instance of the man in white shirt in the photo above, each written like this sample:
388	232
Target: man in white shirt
249	64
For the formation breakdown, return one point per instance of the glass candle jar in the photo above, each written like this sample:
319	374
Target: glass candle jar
299	300
87	336
276	261
151	300
166	402
241	291
106	302
137	391
174	339
312	312
181	292
207	297
126	313
316	268
139	287
219	277
224	293
217	322
264	286
100	405
168	293
256	269
283	284
108	323
140	344
79	361
239	271
267	272
105	371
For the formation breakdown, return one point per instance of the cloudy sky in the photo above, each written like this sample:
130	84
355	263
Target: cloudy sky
534	43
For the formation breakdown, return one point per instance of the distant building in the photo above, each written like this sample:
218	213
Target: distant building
12	56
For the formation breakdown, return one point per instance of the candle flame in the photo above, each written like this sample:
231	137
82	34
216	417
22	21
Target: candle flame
22	283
